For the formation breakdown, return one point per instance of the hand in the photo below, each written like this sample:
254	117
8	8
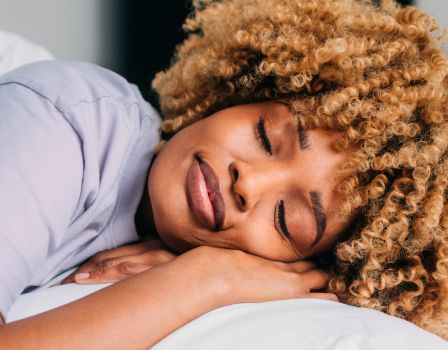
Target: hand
240	277
119	263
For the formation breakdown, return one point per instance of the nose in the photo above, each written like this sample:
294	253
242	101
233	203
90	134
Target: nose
252	182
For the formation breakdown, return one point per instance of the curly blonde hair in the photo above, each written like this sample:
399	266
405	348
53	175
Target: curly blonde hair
378	75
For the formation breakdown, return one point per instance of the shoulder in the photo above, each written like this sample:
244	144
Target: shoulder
65	83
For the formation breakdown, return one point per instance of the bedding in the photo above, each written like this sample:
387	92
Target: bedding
299	324
16	51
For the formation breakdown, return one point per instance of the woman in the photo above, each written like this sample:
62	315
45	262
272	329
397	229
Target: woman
325	123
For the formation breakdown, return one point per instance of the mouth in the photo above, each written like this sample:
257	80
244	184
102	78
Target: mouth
204	195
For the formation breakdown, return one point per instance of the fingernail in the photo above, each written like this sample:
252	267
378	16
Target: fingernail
82	276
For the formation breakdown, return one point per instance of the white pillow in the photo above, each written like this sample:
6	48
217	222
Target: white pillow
299	324
16	51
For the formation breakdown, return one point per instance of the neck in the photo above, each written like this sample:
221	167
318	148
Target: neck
144	219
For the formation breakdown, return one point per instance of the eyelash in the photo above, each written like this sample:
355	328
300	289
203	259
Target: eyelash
261	132
280	212
282	220
303	138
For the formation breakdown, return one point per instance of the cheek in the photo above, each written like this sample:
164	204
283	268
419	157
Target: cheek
168	201
259	238
168	224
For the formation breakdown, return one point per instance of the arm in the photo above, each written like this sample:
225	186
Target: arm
139	311
132	314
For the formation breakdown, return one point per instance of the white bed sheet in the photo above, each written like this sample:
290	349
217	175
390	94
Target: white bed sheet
299	324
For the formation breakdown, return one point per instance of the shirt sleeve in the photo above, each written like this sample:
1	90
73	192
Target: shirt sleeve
41	172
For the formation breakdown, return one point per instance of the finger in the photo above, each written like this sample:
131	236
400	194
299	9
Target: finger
68	279
114	274
93	264
155	257
79	272
131	249
315	279
326	296
101	258
154	247
302	266
106	258
87	267
148	257
71	278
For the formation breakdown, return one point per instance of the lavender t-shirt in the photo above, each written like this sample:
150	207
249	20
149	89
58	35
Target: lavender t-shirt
76	142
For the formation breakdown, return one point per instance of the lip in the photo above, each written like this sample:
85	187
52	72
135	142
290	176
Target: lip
204	195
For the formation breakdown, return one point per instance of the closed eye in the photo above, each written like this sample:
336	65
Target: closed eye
281	220
262	135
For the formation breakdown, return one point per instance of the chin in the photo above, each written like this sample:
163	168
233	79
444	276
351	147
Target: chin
177	245
172	234
171	239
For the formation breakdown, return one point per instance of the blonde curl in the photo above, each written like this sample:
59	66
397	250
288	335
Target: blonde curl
377	75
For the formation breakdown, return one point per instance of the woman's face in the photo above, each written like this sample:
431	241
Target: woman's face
248	178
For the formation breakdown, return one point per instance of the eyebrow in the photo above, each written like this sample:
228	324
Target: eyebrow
319	215
302	133
303	136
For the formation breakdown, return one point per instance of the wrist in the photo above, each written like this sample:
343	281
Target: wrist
207	286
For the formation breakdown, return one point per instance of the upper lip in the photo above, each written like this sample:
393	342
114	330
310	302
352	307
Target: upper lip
214	192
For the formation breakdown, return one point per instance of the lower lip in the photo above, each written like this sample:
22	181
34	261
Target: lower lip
198	196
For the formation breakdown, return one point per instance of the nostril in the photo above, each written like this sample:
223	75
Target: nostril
242	201
235	174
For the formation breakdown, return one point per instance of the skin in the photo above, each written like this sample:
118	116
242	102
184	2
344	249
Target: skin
232	266
228	141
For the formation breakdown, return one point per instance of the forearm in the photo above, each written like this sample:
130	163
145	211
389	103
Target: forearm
132	314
